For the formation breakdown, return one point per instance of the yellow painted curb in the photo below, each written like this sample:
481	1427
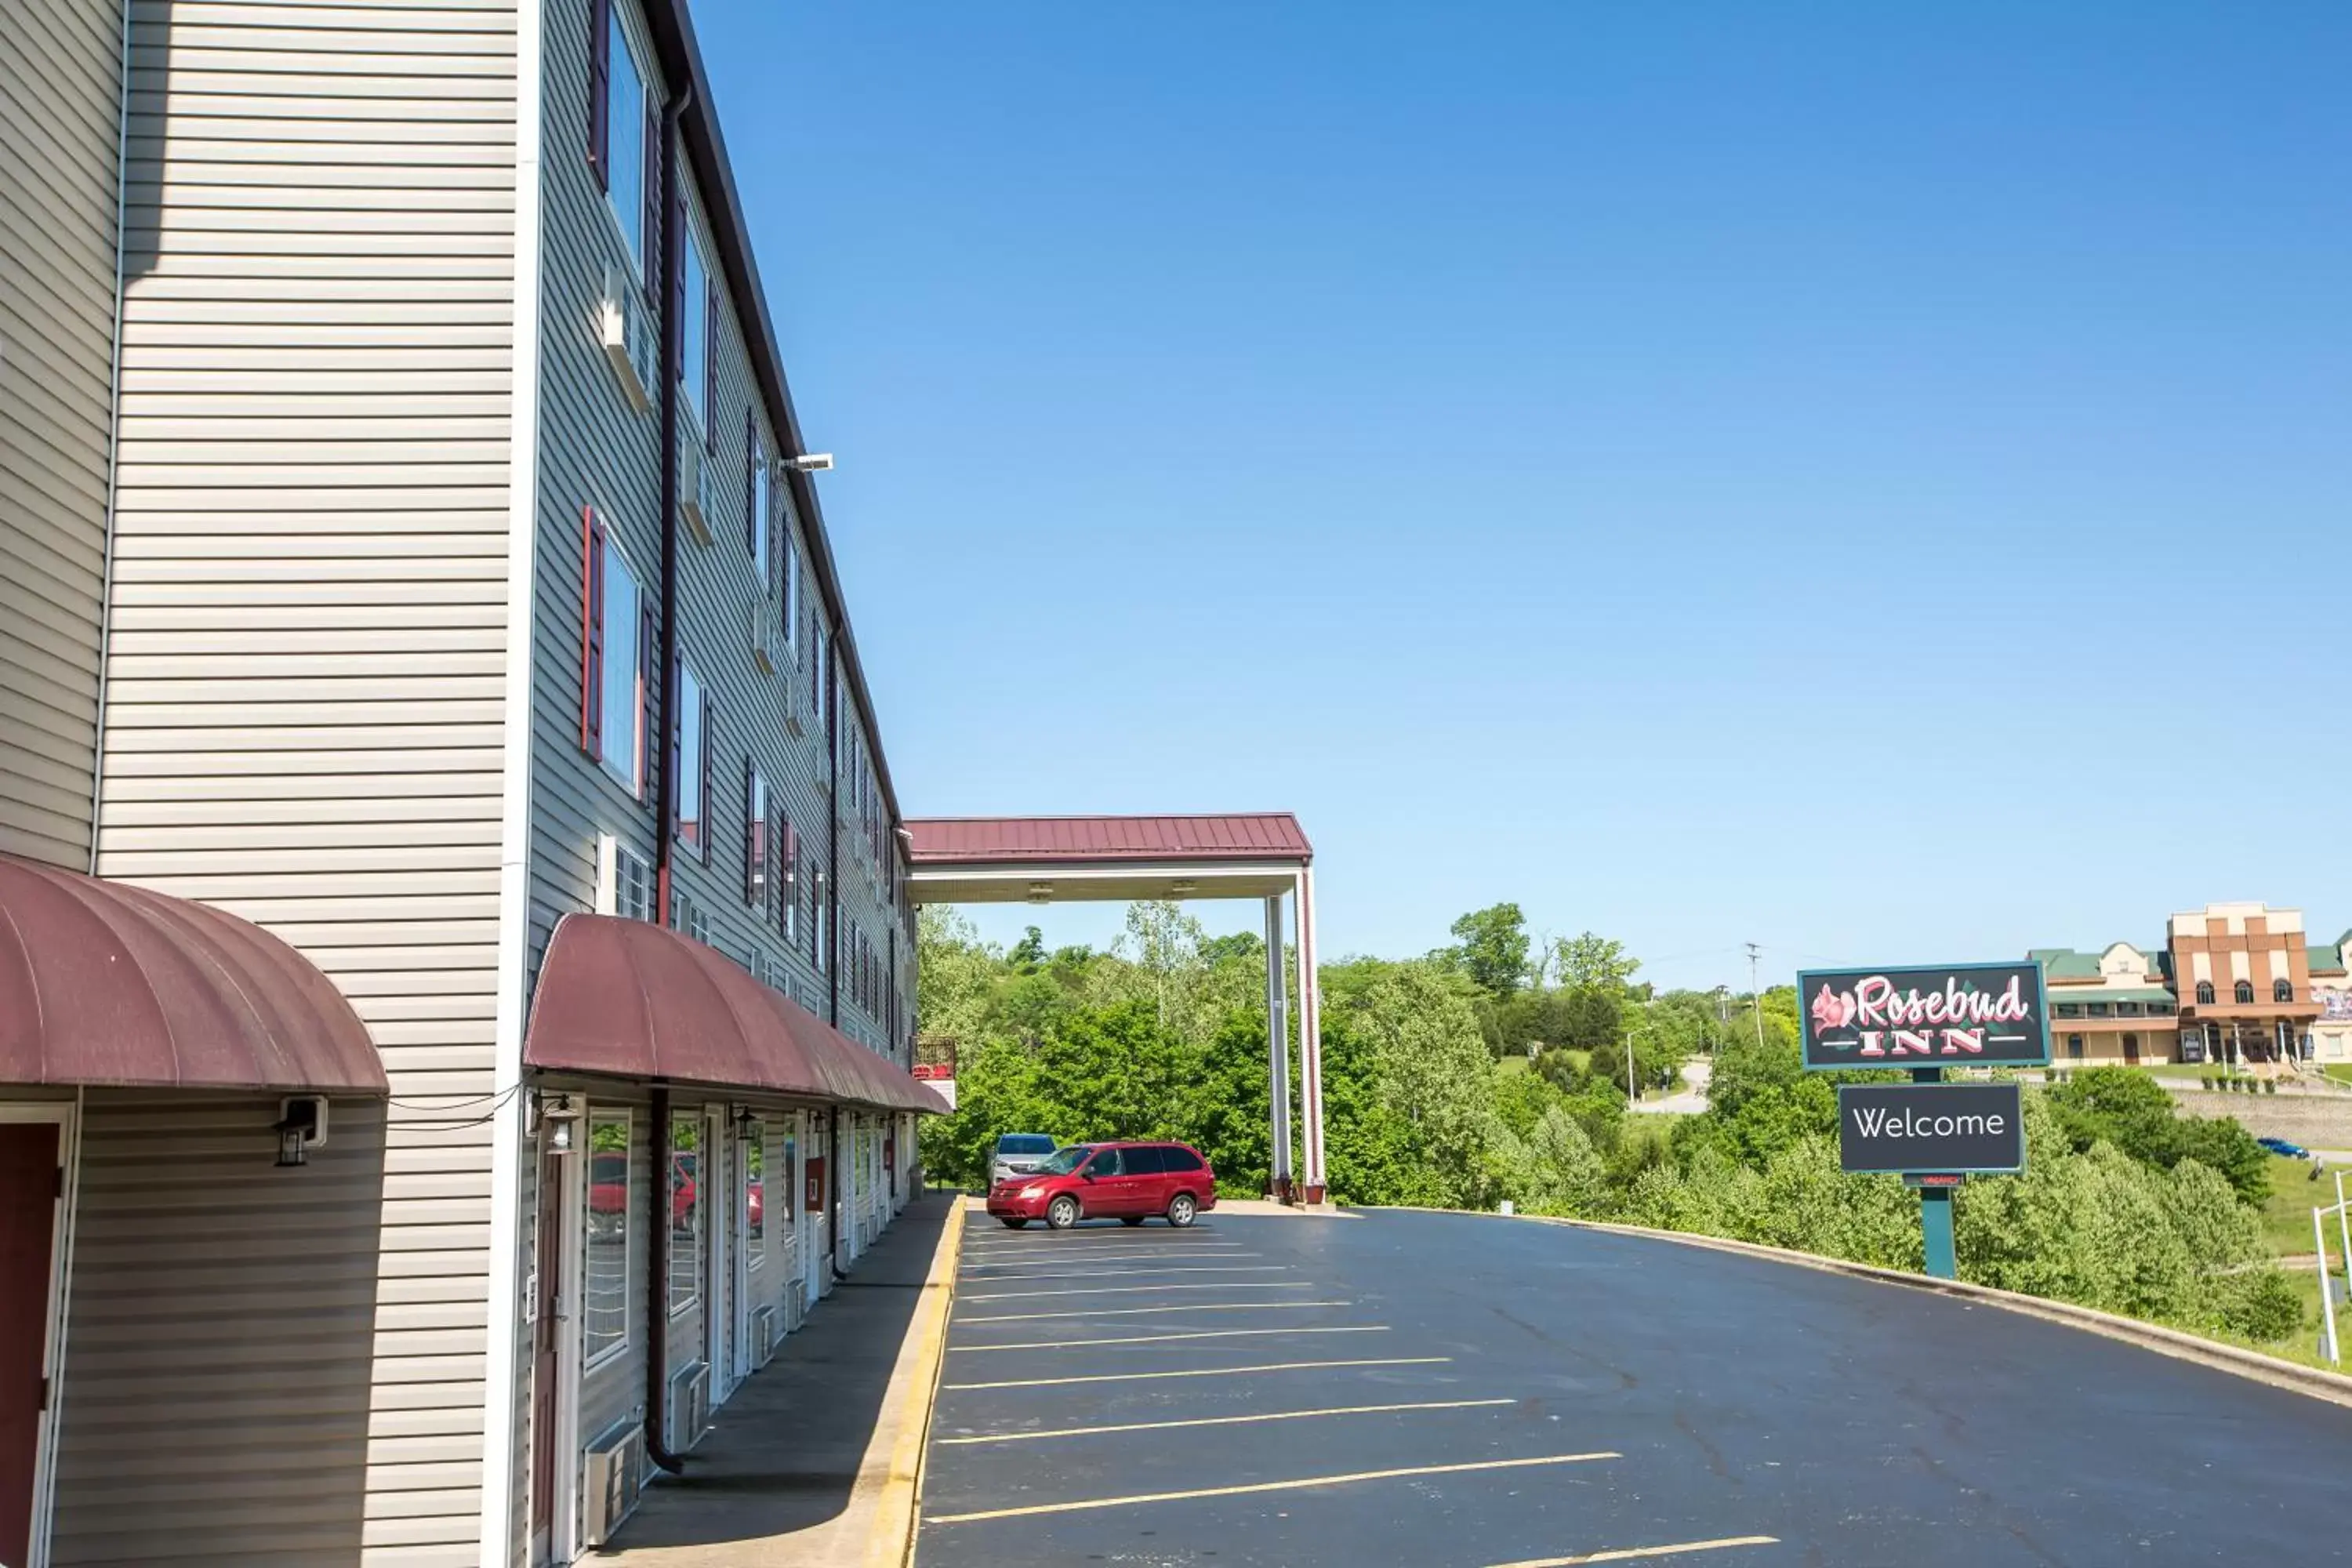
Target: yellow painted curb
898	1509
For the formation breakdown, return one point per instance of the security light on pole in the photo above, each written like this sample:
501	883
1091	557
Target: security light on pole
809	462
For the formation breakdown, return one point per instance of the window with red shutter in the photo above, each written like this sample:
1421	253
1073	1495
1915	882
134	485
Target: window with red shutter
591	632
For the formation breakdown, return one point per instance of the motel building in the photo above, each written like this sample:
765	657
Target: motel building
2236	984
457	970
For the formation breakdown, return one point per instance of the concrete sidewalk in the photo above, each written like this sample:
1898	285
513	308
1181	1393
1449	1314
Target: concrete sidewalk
812	1463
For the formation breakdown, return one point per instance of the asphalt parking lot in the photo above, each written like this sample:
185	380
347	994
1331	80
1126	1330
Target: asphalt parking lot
1464	1392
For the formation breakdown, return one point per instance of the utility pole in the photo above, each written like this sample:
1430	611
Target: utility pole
1757	992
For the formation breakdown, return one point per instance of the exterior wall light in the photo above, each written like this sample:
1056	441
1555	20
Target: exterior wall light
302	1127
560	1114
810	463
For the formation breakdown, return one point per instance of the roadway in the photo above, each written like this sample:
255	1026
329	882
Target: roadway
1464	1392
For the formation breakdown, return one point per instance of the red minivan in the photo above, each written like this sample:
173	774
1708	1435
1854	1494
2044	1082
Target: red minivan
1126	1182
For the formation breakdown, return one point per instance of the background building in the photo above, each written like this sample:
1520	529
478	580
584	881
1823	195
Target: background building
2237	984
409	590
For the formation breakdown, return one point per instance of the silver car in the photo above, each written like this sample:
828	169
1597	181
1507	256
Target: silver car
1019	1153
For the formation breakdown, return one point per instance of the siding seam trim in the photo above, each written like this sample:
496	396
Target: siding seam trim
113	432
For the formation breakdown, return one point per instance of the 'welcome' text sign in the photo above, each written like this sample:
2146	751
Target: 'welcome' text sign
1949	1127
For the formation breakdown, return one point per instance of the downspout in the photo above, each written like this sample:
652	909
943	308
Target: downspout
832	930
673	257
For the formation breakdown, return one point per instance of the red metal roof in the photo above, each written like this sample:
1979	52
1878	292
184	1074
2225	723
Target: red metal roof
995	840
630	999
105	983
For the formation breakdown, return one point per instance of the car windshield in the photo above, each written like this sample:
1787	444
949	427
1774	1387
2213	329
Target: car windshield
1066	1160
1024	1143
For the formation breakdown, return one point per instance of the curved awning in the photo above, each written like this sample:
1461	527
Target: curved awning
626	998
104	984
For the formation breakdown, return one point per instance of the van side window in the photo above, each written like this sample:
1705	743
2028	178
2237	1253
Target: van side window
1146	1162
1182	1160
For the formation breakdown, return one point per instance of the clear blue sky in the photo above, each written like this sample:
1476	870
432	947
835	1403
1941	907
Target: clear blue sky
1867	478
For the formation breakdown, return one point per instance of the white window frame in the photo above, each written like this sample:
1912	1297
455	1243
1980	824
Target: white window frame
592	1359
755	1246
696	325
668	1153
764	524
692	698
617	560
624	32
788	572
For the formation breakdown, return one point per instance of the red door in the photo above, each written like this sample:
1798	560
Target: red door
28	1216
547	1264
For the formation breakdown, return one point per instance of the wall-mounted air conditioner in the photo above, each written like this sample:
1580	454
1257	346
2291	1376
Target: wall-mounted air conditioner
697	493
628	334
689	1407
763	638
764	1333
615	1465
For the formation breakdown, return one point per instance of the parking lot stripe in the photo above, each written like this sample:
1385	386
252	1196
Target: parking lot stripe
1134	1273
1206	1371
1163	1339
1634	1553
1130	1289
1156	1311
1226	1420
1032	1260
1301	1484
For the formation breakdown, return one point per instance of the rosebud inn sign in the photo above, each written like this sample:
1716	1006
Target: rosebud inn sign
1940	1016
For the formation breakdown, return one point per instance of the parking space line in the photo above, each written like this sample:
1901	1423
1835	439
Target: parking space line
1156	1311
1228	1421
1133	1273
1206	1371
1633	1554
1185	1334
1030	1260
1300	1484
1129	1290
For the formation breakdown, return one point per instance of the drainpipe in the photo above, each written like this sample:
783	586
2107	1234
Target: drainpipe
658	1291
833	933
673	259
833	1196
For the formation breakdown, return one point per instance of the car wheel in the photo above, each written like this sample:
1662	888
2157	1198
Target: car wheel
1181	1208
1011	1223
1130	1219
1062	1213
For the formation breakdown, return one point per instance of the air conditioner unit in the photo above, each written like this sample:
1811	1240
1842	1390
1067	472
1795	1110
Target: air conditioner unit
764	639
616	1471
763	1335
689	1407
696	493
628	335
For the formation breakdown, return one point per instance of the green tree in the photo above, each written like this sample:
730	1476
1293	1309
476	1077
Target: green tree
1492	948
1029	953
1589	962
2135	1113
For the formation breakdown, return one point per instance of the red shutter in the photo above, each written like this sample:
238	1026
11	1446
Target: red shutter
751	488
656	149
600	91
708	745
591	632
648	651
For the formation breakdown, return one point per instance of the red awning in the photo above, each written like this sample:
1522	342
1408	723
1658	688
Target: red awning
101	983
982	840
626	998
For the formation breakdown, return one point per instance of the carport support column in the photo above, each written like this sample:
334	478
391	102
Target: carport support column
1277	1036
1310	1039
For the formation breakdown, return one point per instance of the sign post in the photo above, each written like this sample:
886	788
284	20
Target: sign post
1924	1017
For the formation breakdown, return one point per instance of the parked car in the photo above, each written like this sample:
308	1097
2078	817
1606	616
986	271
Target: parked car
1017	1154
608	1192
1126	1182
2280	1146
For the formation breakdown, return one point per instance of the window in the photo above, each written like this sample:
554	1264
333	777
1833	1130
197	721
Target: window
755	1192
755	838
1183	1160
2127	1010
817	921
819	649
2281	990
685	1214
689	918
2098	1009
789	903
1147	1162
606	1313
757	501
625	882
788	574
1104	1163
2243	991
622	136
2070	1009
2160	1009
2205	993
698	313
691	755
2074	1046
614	641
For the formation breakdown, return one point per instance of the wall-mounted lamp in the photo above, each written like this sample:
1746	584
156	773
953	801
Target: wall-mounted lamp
302	1127
810	463
560	1114
743	1117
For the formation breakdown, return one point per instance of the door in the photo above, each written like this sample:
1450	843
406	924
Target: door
546	1359
31	1183
2131	1049
1155	1182
1109	1190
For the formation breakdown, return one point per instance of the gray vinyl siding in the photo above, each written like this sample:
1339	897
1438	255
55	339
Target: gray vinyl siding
308	640
60	132
219	1334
